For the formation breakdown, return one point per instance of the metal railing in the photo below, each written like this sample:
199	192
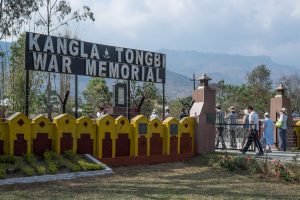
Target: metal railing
234	135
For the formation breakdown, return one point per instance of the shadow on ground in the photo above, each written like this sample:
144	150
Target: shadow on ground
189	180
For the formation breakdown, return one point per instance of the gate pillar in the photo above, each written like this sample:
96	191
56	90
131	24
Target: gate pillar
204	112
278	102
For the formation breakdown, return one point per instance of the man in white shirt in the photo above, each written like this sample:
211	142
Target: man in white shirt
167	114
253	136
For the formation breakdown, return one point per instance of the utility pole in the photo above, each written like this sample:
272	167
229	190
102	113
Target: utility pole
194	80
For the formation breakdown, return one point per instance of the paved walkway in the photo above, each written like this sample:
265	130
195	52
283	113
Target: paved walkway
275	155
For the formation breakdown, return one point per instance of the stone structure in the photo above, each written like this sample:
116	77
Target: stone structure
204	111
120	99
282	101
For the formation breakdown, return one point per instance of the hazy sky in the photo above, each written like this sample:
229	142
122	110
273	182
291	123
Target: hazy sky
248	27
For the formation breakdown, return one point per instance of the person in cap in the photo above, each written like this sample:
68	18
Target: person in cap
167	113
220	126
253	136
154	114
245	127
231	119
282	127
268	132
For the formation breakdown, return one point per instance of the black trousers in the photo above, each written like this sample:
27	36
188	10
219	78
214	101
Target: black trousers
220	137
232	139
253	138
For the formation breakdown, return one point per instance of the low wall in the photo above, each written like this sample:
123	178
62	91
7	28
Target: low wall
105	137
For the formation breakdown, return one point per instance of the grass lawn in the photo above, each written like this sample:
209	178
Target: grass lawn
189	180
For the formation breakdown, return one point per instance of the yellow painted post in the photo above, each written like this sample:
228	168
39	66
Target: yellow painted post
4	138
19	127
124	138
106	137
297	129
86	136
172	130
186	135
140	131
65	137
42	134
157	144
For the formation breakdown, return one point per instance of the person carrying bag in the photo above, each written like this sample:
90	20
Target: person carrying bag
281	124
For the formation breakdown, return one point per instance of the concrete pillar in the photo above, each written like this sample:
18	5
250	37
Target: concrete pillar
278	102
204	111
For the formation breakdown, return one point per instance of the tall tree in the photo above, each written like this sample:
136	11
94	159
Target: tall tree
14	14
177	104
232	95
97	93
16	83
144	96
65	81
58	14
260	87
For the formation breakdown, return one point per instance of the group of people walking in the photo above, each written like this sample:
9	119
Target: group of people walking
167	114
250	126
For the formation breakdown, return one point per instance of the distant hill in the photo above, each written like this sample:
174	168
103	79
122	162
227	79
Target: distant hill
231	68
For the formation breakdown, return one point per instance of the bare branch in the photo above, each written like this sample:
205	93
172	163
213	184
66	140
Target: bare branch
42	16
63	23
53	5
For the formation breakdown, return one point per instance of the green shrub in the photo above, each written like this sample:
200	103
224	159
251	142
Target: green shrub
240	162
51	168
10	159
212	162
282	171
30	158
252	170
237	163
41	170
3	165
27	170
227	162
50	156
72	166
71	156
22	165
2	172
86	166
32	161
60	161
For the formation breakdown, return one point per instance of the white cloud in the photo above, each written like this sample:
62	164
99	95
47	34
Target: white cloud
251	27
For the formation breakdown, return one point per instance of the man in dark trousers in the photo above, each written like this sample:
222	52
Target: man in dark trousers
253	136
231	119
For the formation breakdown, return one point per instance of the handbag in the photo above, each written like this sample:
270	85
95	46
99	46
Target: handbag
278	124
